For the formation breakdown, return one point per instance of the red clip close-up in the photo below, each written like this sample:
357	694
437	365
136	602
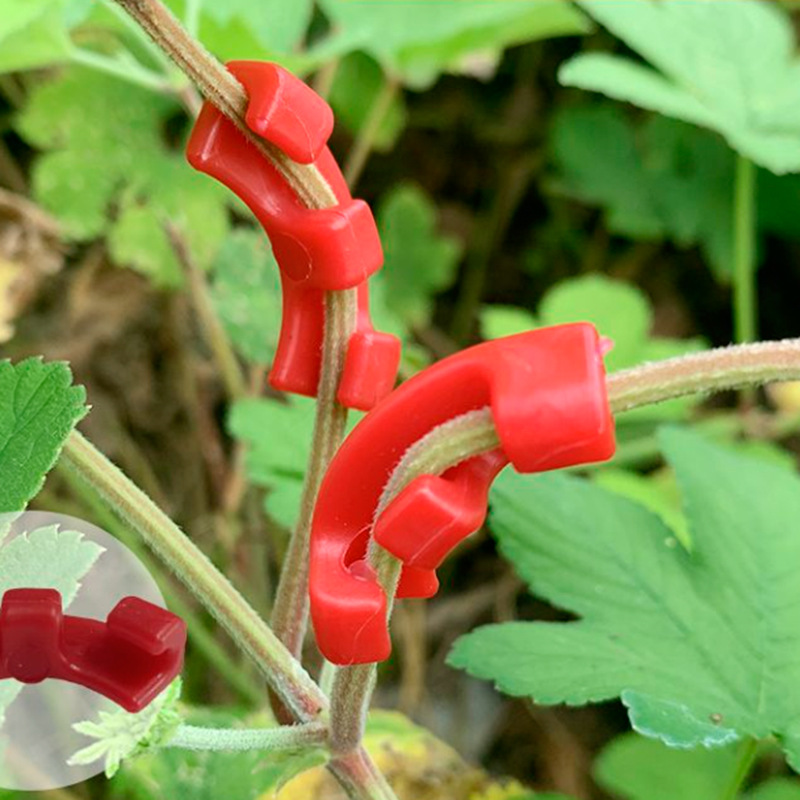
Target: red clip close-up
317	250
547	395
130	658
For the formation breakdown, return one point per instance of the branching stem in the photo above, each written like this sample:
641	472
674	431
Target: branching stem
272	740
474	433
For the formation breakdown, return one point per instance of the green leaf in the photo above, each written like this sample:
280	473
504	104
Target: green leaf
246	292
39	407
358	82
47	558
635	768
731	67
32	34
121	734
278	436
104	145
419	262
619	310
688	639
661	179
418	41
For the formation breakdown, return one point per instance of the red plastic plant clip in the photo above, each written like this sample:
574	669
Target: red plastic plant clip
317	250
130	658
546	391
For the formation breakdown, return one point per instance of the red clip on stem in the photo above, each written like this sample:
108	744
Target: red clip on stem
317	250
130	658
546	390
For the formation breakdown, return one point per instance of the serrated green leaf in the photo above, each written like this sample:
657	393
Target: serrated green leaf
39	407
47	558
421	40
103	145
731	67
122	734
703	637
246	292
358	83
635	768
419	262
32	34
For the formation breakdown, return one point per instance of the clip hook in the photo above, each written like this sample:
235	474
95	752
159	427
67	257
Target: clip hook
130	658
546	391
317	250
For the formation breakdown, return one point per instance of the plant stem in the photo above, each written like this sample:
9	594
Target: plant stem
744	764
290	612
365	139
220	87
130	71
287	737
202	578
215	334
474	433
745	303
199	636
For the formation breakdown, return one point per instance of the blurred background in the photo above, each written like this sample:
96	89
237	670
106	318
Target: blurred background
507	197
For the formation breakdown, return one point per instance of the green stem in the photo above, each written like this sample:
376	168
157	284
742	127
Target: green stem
744	764
291	682
199	636
290	612
310	736
130	71
365	139
745	303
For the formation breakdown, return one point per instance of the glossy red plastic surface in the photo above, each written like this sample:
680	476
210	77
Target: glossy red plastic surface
317	250
546	391
130	658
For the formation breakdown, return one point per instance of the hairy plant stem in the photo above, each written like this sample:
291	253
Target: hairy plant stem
199	575
474	433
745	304
748	750
365	139
220	87
308	736
290	612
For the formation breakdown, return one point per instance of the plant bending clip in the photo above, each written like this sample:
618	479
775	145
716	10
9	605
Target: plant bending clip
317	250
130	658
547	395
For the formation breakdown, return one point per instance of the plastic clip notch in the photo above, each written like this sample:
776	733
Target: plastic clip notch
130	658
317	250
547	396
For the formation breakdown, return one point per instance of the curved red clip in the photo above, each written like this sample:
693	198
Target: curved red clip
317	250
546	390
130	658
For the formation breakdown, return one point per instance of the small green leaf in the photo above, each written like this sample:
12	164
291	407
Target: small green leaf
104	145
278	436
32	34
419	262
731	67
421	40
359	80
246	292
635	768
619	310
39	407
121	734
702	644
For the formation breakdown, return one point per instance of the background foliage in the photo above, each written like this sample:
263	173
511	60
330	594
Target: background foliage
530	162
